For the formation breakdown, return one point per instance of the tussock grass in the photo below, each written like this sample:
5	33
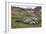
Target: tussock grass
21	24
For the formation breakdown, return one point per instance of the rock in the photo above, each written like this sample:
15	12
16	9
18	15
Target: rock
31	20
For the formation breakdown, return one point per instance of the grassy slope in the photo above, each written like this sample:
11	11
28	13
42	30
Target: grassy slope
23	25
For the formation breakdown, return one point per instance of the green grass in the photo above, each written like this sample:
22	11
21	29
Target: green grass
15	24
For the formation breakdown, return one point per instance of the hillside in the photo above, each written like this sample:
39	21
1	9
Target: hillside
16	11
19	16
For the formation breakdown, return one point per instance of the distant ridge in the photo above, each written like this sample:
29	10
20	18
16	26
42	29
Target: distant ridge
23	8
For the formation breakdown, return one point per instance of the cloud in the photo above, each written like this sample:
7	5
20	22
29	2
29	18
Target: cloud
22	5
26	6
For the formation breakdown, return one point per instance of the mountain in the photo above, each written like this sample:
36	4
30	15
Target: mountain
16	11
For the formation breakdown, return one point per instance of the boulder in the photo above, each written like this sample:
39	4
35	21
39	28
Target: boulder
31	20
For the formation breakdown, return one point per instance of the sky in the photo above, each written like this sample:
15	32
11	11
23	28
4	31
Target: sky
25	5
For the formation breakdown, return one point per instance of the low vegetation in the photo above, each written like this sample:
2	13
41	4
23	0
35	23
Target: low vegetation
21	24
